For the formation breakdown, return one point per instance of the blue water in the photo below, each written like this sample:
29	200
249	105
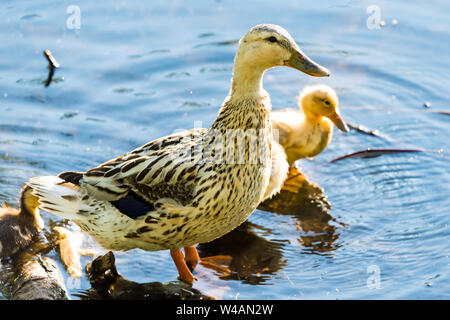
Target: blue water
135	71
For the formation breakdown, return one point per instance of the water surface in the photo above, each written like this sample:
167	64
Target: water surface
136	71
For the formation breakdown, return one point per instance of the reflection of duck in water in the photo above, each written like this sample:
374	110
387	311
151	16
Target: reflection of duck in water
307	204
243	255
19	227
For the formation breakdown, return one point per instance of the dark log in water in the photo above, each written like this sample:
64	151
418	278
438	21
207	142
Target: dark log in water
39	279
373	153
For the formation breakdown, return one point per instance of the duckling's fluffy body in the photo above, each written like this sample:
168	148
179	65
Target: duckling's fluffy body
279	171
305	133
18	227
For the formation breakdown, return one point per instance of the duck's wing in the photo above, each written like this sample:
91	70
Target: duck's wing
158	169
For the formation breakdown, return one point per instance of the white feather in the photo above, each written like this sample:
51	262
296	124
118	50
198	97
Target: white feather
55	197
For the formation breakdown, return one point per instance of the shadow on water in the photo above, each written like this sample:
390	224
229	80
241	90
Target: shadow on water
253	257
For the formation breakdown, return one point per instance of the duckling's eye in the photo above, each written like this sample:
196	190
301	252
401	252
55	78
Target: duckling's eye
327	102
272	39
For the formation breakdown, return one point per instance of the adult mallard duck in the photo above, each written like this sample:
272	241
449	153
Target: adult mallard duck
18	227
189	187
306	133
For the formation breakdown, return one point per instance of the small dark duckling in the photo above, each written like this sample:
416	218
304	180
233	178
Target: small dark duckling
18	227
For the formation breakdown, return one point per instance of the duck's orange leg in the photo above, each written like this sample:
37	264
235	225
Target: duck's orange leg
183	270
192	257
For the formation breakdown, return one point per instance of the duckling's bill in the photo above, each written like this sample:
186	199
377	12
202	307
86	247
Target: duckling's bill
339	122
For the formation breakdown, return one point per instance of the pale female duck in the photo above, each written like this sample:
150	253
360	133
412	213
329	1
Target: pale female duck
19	227
178	191
304	133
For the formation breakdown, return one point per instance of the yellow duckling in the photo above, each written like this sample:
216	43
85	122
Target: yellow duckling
18	227
302	134
306	134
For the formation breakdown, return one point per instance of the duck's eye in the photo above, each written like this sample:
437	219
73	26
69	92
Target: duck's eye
327	102
272	39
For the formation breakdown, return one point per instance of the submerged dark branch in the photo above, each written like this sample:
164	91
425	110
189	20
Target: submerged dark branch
52	65
372	153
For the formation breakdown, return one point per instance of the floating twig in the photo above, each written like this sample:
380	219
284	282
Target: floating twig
372	153
362	129
447	113
52	65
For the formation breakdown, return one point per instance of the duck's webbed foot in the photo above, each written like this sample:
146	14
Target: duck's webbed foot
185	274
192	257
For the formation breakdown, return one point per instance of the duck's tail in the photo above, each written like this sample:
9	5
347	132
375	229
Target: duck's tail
57	196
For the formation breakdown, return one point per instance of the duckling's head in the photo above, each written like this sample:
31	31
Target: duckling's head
267	45
29	206
321	101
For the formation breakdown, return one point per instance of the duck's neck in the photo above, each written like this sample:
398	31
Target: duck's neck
247	79
248	104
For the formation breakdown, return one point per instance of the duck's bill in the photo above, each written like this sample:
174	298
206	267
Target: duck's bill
300	61
338	122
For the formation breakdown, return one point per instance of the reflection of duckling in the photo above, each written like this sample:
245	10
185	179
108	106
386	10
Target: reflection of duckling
306	134
70	251
18	227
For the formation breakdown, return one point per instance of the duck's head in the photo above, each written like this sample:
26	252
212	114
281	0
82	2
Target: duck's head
322	101
266	46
